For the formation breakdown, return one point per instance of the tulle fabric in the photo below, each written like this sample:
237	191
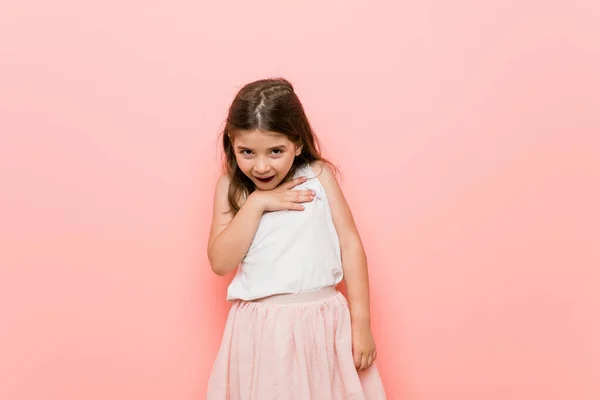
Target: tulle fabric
291	347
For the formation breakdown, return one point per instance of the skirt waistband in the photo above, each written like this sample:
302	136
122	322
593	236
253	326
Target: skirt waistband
303	297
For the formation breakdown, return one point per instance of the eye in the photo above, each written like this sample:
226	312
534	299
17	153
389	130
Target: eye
246	152
277	151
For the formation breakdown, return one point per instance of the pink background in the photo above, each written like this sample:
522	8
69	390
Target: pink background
468	135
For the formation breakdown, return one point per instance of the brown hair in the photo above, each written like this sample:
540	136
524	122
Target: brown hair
267	105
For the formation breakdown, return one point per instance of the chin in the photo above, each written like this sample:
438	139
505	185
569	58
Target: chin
266	186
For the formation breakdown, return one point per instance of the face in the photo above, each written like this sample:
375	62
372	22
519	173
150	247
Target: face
264	157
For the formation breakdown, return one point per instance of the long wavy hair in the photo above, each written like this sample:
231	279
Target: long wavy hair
267	105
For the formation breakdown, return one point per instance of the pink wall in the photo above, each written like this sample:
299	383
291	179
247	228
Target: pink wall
468	134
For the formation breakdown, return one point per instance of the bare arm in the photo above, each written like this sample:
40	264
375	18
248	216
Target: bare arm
354	262
230	237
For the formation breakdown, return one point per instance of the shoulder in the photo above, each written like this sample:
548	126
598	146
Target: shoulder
222	192
223	183
222	187
326	174
340	210
323	170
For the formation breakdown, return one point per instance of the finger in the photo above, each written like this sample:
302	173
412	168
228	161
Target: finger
301	196
357	359
295	206
374	354
294	182
364	362
370	360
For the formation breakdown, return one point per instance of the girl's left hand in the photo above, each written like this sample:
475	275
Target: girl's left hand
363	347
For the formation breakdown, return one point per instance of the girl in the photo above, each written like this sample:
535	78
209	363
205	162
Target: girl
281	219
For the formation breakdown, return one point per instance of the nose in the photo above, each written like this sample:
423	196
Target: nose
261	167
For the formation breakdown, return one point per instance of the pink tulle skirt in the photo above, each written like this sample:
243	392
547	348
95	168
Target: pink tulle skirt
291	347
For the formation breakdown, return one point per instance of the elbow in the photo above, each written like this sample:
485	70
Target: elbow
215	266
221	261
351	245
218	270
218	267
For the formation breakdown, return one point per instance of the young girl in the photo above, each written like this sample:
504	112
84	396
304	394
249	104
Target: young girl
281	219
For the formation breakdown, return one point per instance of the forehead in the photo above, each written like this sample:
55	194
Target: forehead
258	139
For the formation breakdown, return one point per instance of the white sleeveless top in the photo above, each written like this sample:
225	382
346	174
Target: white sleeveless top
292	251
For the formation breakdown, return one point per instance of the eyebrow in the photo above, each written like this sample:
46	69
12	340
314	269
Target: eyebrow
240	147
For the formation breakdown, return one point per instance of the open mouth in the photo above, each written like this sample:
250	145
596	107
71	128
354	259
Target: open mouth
265	180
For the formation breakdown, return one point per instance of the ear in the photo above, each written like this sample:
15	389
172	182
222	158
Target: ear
298	149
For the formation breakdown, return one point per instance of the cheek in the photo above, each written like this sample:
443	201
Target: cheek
285	163
243	163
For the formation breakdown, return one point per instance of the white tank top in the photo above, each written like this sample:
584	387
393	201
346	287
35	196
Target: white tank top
292	251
